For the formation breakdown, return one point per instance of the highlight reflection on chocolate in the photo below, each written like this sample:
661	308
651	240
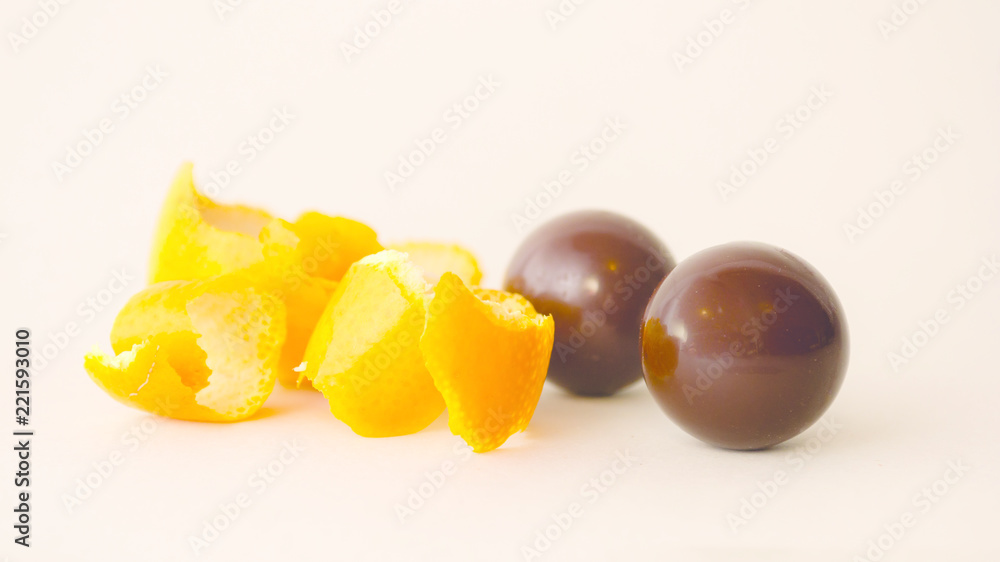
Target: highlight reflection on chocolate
594	272
744	345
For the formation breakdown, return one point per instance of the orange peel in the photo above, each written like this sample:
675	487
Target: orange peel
196	350
435	258
305	296
329	245
364	355
198	238
488	352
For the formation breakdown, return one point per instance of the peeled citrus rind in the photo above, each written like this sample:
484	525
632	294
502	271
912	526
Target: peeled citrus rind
143	378
197	350
488	352
305	296
364	355
305	306
329	245
198	238
436	258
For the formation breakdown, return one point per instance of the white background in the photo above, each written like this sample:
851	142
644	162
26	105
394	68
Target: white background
64	239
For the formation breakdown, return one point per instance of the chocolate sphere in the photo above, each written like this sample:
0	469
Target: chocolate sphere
744	345
594	272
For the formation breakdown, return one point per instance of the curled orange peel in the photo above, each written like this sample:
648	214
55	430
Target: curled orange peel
364	355
435	258
305	296
300	262
196	350
488	352
197	238
329	245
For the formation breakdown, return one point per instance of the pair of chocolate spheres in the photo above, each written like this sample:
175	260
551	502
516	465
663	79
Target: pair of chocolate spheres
743	345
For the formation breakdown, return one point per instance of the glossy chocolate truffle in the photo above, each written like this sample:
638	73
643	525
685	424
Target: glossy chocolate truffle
594	272
744	345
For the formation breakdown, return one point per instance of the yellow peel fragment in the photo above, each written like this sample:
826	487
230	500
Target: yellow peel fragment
198	238
144	378
436	258
488	352
364	355
305	296
197	350
300	262
329	245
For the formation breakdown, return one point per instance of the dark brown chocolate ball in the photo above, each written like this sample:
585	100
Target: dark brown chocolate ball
744	345
594	272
